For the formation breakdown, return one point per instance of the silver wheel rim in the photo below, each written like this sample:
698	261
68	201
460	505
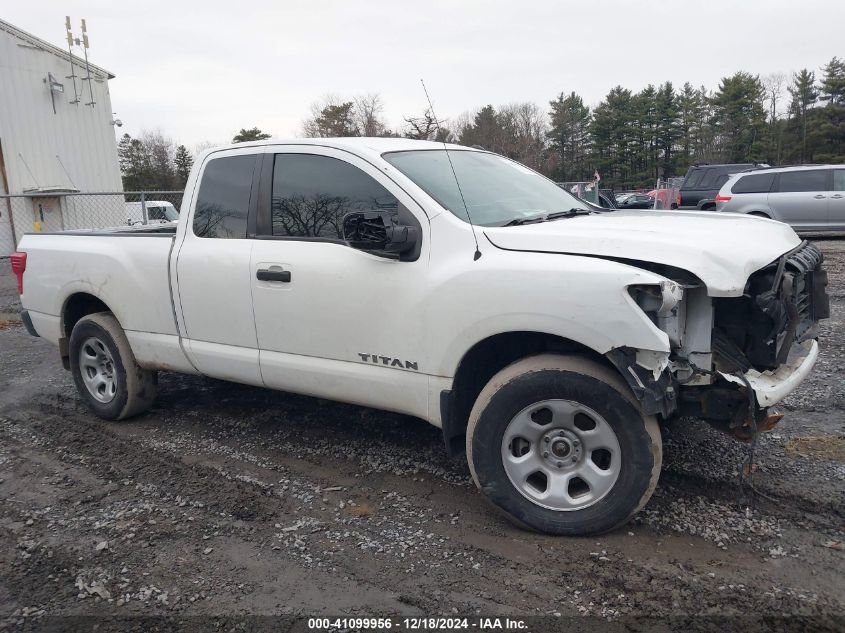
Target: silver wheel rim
561	455
97	369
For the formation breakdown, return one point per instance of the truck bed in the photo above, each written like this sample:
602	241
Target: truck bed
130	276
155	230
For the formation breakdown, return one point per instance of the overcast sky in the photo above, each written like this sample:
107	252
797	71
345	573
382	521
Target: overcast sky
199	71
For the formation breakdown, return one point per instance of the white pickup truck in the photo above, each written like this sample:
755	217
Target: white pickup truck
546	336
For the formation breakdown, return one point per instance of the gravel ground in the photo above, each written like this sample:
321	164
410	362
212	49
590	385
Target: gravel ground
227	500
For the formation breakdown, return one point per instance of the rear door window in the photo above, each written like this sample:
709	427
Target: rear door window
839	179
223	197
711	179
694	178
754	183
803	180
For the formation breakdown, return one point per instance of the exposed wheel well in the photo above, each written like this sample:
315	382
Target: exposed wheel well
760	214
77	306
484	360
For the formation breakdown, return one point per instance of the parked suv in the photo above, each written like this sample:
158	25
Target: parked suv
703	182
809	198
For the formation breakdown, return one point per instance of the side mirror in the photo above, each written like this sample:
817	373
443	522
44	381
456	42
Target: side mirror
378	231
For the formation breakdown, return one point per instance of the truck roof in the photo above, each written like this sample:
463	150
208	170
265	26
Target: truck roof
361	145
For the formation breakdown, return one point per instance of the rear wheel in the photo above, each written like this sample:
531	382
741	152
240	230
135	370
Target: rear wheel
560	445
104	369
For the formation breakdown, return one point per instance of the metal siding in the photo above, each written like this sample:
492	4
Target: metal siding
82	136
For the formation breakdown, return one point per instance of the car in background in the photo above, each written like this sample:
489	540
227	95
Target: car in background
637	201
703	182
157	212
810	198
606	199
665	198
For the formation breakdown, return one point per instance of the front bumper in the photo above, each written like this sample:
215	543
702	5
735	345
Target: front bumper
770	387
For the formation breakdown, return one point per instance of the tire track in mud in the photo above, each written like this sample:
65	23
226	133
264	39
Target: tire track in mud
382	543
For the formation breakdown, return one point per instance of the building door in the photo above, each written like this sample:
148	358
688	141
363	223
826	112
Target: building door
47	213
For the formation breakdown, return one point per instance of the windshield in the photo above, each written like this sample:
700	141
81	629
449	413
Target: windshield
496	190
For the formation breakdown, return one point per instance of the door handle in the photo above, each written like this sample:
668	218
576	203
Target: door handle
265	274
837	196
819	196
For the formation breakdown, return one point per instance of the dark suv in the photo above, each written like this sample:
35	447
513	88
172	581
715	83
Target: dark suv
703	182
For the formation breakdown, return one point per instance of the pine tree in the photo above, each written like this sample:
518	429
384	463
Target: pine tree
666	132
614	134
183	163
252	134
569	137
333	119
689	116
484	131
828	122
739	116
804	96
135	163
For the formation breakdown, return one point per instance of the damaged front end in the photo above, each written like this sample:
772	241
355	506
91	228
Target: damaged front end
732	357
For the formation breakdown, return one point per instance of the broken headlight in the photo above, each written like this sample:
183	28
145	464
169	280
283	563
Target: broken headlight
663	304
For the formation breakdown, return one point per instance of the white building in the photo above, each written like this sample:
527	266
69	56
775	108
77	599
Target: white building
49	145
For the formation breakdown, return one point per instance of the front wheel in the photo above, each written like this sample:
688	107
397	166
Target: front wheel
560	445
105	371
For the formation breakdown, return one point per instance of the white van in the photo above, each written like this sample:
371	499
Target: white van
158	212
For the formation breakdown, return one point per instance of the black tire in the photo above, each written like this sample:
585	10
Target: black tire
554	377
135	388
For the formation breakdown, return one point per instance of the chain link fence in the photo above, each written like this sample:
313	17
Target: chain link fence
50	212
47	212
667	193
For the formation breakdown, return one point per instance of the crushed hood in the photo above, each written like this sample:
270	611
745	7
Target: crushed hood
721	249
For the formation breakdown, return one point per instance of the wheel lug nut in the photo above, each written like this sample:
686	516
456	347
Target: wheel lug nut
574	459
560	433
575	443
546	440
560	464
545	453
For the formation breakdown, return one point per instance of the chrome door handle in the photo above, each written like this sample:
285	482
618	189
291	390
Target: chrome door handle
837	196
819	196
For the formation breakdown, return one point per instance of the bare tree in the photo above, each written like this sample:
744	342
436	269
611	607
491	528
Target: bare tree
524	125
774	84
367	114
161	151
461	122
426	128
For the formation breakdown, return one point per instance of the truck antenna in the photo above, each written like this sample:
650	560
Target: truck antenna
477	254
